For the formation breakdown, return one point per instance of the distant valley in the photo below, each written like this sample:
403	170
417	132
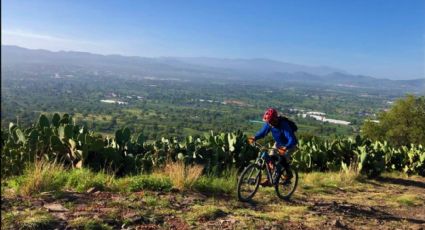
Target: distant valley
246	71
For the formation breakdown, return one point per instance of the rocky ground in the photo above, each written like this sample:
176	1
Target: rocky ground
385	203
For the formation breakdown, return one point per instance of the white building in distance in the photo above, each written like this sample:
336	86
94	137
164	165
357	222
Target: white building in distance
321	117
114	102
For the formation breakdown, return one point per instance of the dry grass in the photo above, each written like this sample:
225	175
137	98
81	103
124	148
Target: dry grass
352	169
350	176
183	176
42	176
326	182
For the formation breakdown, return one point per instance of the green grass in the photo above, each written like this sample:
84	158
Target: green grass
192	132
409	200
83	179
153	201
217	185
27	219
205	213
134	111
44	177
50	177
154	182
269	216
90	117
194	208
88	224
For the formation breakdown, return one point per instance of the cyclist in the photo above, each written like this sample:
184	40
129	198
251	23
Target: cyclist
284	137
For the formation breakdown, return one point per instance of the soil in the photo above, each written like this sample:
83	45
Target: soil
373	205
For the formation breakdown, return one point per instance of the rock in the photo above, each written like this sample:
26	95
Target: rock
111	222
37	203
337	223
130	215
417	227
374	209
229	221
69	197
55	207
81	213
232	220
92	190
107	210
60	215
137	220
45	194
174	190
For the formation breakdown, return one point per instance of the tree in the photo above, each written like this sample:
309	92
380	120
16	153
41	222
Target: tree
403	124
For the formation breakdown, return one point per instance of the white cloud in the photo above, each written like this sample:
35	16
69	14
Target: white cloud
29	39
21	33
55	43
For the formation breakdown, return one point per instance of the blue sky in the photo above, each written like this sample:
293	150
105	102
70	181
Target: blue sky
380	38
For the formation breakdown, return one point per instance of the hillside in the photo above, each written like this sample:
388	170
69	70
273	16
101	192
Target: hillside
322	200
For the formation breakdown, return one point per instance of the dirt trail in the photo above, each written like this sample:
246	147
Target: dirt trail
386	203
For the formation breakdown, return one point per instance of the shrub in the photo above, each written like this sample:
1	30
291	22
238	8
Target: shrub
402	125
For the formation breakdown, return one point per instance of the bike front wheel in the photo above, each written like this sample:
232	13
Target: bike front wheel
285	188
248	182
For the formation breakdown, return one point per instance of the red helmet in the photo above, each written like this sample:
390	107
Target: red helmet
270	115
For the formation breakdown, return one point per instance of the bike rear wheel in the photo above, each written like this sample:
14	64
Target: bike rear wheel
248	182
284	188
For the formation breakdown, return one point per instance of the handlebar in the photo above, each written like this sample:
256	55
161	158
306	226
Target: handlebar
261	147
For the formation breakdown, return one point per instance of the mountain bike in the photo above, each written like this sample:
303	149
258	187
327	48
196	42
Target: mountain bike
250	177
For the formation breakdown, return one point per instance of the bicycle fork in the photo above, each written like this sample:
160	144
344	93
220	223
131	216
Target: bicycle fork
266	161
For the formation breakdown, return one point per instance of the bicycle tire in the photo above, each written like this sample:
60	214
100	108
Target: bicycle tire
241	181
279	185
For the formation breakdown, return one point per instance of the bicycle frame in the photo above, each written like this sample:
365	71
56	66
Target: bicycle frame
262	160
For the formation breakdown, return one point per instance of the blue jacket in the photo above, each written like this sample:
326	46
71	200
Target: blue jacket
282	134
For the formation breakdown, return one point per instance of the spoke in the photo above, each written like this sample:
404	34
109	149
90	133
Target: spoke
249	182
285	190
250	174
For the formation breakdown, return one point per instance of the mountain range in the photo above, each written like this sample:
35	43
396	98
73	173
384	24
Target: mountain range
255	70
